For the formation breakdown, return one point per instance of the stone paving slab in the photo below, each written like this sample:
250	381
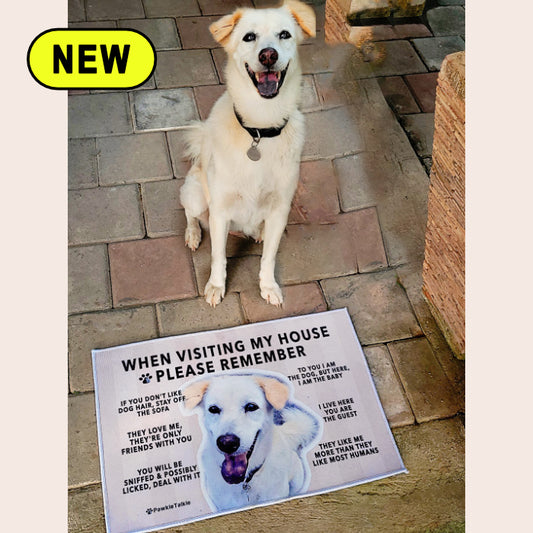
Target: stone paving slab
189	316
420	128
206	97
409	31
310	252
82	165
366	240
219	58
411	279
98	115
320	57
148	84
242	272
104	214
162	32
328	94
309	101
388	386
376	122
83	457
76	10
167	8
432	494
365	179
398	95
89	286
396	58
343	134
434	50
222	7
150	270
184	68
133	158
424	88
118	9
194	32
399	189
298	300
447	20
163	109
162	209
316	197
103	330
429	391
377	304
93	25
176	146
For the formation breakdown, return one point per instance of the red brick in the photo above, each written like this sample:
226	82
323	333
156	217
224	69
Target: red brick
316	199
424	87
297	300
150	270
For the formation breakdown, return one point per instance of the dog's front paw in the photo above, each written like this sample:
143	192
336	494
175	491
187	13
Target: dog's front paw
193	236
272	294
213	294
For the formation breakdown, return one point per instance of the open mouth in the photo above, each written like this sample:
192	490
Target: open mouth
234	466
269	82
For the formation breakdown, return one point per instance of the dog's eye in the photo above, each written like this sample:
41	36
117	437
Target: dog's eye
214	409
285	35
250	36
249	407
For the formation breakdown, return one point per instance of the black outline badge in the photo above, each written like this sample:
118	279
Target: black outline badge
91	30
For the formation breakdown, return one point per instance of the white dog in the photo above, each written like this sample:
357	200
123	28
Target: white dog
246	155
254	439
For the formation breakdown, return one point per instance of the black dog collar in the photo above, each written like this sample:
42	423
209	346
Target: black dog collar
256	133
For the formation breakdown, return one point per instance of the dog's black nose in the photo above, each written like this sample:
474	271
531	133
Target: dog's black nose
228	443
268	56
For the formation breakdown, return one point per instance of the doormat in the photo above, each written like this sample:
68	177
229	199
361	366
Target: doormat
199	425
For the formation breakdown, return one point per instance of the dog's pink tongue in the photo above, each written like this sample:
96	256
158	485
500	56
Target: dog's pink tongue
267	83
234	468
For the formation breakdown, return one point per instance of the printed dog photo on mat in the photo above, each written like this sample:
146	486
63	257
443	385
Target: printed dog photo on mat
246	155
255	438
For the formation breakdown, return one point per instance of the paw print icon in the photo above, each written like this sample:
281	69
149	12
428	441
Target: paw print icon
145	378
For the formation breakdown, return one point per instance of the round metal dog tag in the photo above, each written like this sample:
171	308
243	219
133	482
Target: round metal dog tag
253	153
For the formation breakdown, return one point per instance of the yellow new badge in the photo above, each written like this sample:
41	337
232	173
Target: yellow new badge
91	59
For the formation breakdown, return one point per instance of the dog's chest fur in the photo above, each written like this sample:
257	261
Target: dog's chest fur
245	190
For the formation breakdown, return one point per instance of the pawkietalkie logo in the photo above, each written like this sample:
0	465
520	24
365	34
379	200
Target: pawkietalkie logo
167	507
146	378
67	58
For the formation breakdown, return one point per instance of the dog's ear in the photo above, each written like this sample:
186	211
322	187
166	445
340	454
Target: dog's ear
194	393
304	16
276	393
222	28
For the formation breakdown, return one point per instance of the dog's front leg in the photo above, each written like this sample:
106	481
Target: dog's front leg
216	286
274	227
